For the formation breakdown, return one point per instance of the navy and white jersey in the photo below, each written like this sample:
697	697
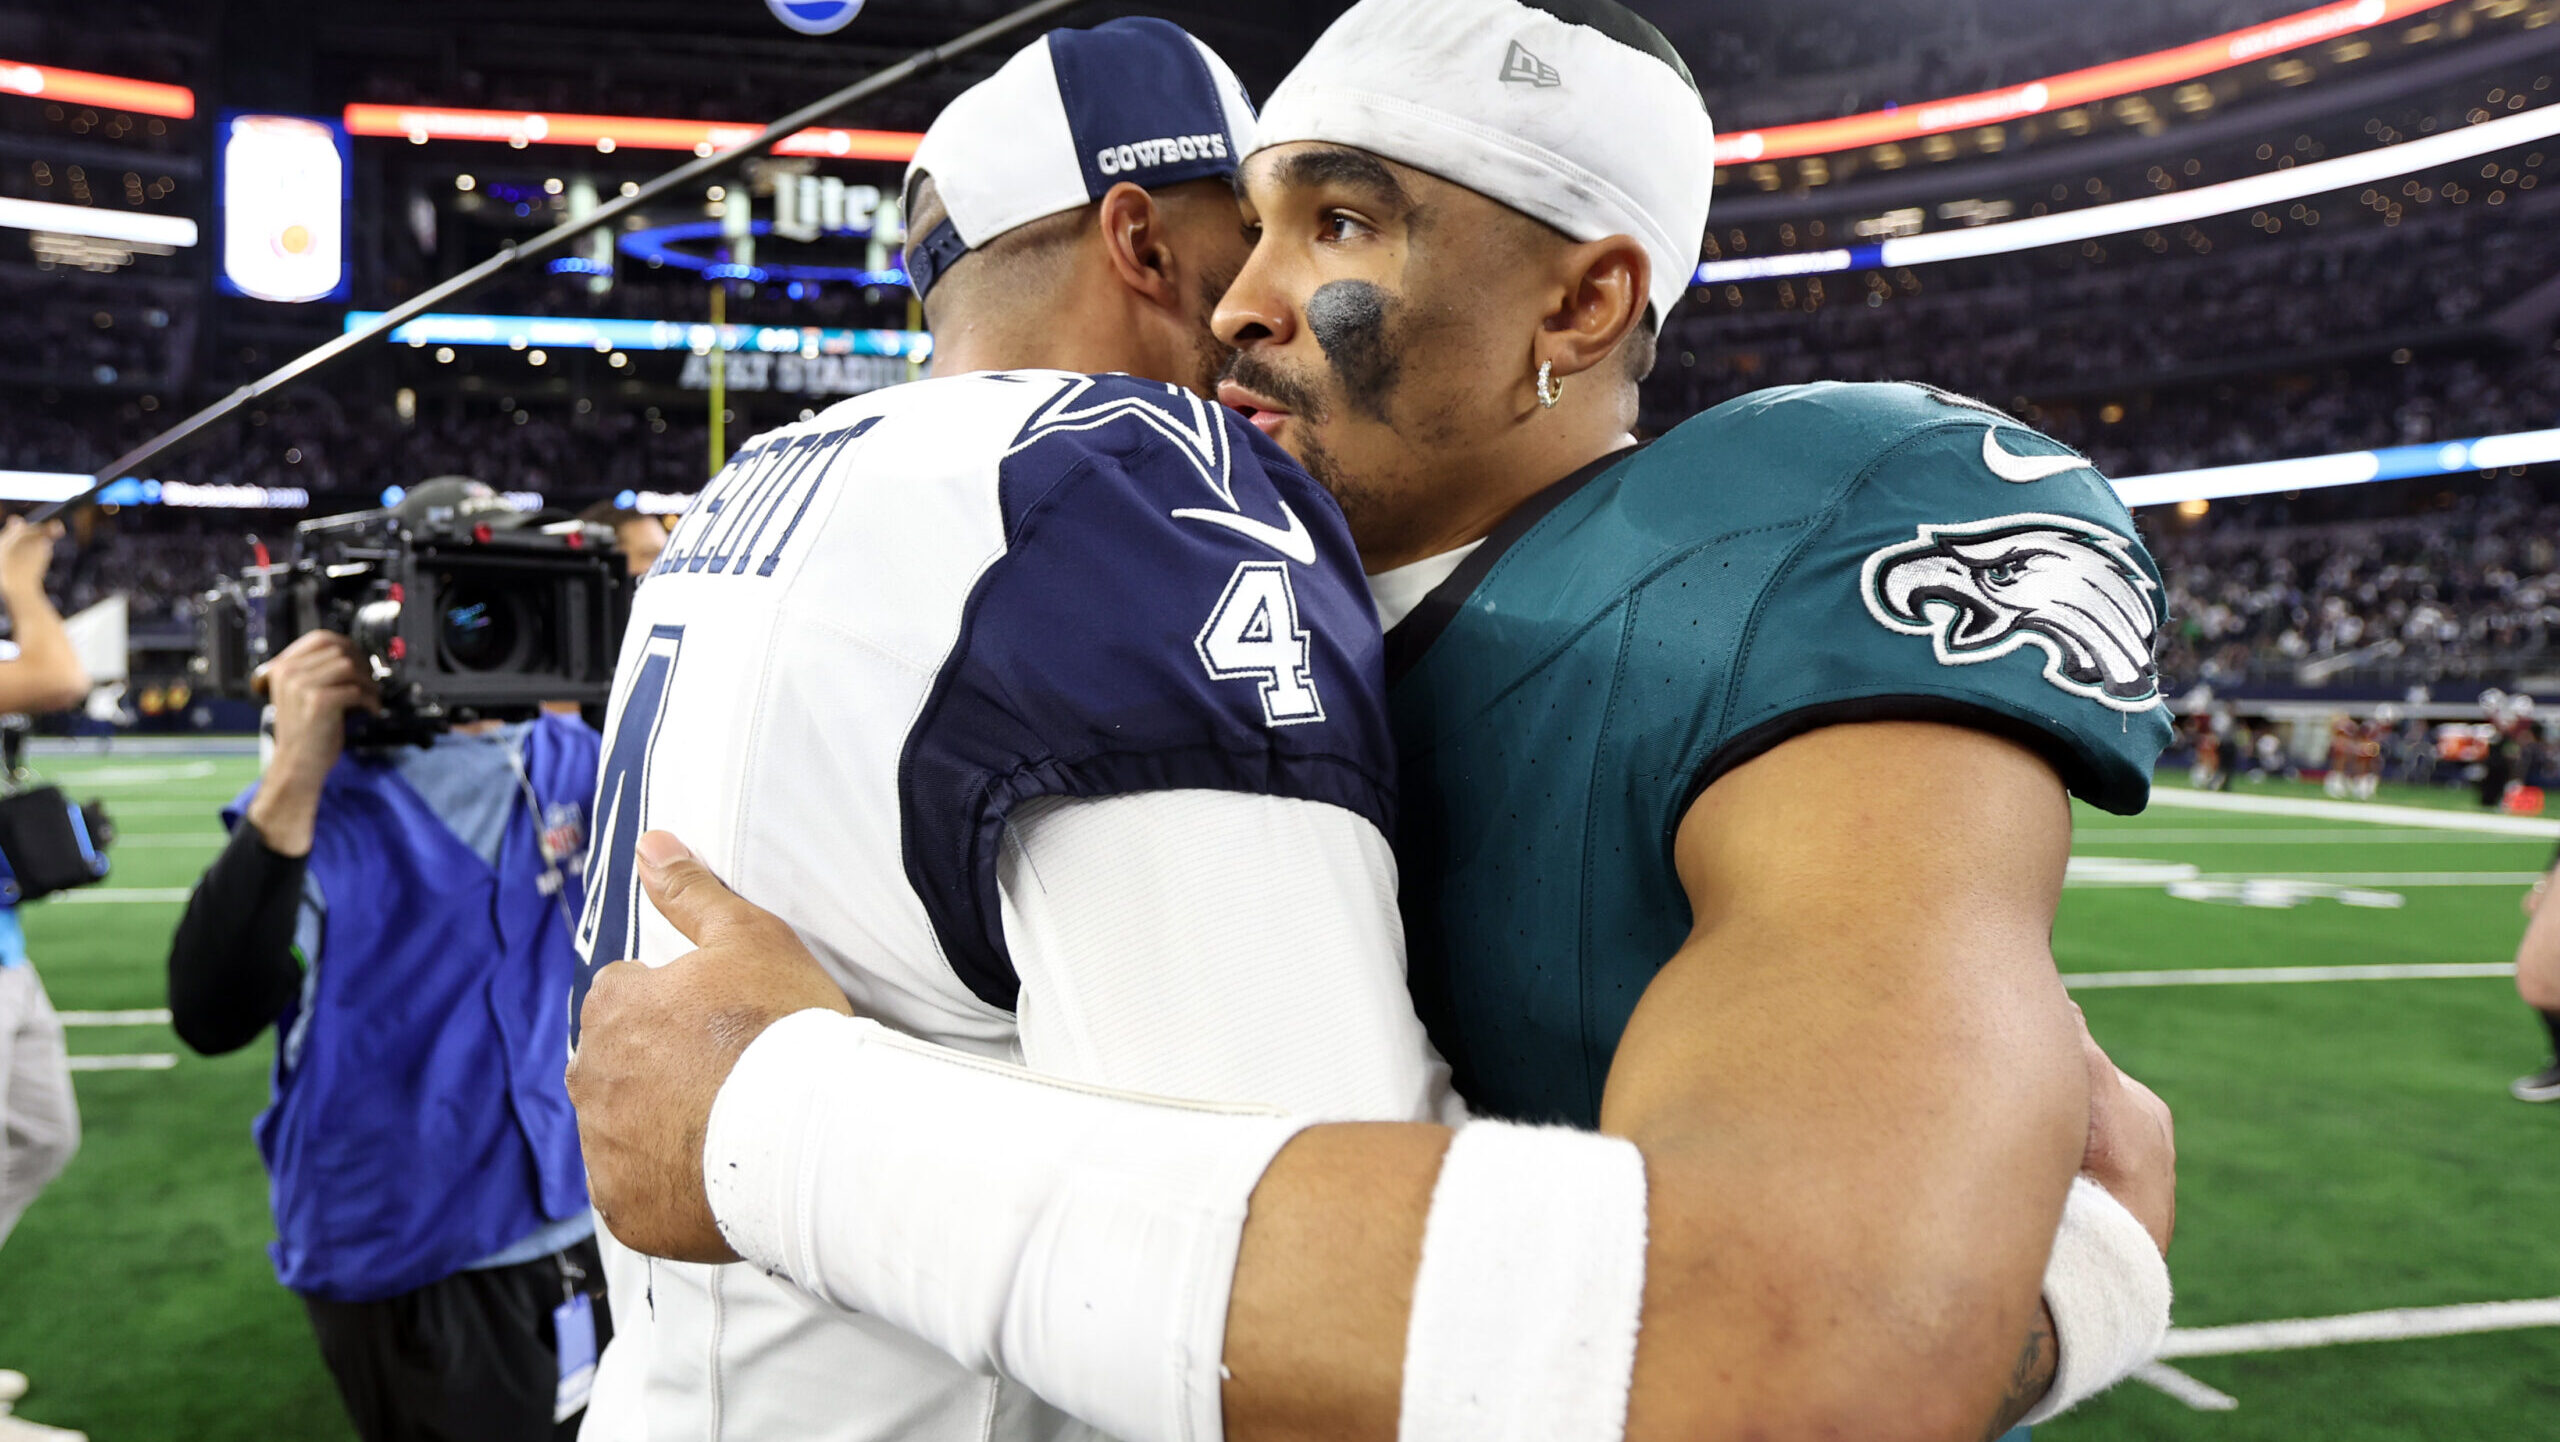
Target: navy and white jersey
1047	709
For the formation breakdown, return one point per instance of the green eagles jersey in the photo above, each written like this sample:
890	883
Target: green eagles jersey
1789	560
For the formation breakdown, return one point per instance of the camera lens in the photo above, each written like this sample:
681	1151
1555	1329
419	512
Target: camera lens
483	629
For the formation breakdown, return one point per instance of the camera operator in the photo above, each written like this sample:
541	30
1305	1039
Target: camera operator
403	917
639	535
39	1121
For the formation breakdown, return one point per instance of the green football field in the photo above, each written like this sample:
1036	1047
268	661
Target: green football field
2347	1145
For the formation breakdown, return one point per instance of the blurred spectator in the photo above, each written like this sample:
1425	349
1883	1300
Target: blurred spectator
39	1120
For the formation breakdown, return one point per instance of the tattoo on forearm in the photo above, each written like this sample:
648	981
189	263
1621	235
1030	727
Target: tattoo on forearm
2029	1379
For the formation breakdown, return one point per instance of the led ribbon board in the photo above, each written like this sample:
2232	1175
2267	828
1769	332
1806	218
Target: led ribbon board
283	184
521	332
2351	468
2153	211
2061	92
421	123
132	491
130	227
79	87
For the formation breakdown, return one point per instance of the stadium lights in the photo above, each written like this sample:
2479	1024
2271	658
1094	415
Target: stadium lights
2060	92
608	133
2352	468
2153	211
522	331
143	97
97	223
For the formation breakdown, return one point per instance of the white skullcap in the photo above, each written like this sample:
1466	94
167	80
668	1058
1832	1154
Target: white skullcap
1574	112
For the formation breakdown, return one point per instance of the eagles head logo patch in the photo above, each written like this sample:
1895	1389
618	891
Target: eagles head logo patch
1983	589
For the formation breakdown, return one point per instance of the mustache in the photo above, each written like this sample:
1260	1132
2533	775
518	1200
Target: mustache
1262	376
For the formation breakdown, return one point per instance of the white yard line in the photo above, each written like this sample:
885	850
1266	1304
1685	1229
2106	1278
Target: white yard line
2397	1324
2184	1388
133	775
2280	836
2251	975
142	1061
201	840
156	747
153	1016
2325	878
112	895
2367	812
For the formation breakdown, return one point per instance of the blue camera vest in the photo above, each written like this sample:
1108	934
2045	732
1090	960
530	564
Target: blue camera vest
421	1124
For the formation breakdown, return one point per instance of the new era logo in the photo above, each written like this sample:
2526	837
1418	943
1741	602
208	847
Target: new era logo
1519	67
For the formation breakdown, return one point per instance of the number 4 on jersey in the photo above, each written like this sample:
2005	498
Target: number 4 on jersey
606	934
1253	634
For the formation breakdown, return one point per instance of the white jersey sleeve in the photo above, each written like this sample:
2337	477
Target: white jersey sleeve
1219	946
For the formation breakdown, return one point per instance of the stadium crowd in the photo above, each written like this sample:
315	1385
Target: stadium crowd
2020	327
2367	407
2454	596
59	328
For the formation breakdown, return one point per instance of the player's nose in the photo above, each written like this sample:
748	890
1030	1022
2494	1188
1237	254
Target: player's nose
1256	310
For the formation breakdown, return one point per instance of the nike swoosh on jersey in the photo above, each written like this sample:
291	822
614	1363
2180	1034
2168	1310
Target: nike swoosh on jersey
1297	542
2009	466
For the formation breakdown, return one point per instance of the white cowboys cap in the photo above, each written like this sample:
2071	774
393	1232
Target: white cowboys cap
1072	114
1575	112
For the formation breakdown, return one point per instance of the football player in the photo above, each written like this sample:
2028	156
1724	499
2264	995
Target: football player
1769	725
970	676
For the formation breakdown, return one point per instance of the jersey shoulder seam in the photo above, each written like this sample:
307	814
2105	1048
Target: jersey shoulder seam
1818	523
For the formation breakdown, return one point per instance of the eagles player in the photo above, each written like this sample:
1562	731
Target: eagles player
968	675
1736	771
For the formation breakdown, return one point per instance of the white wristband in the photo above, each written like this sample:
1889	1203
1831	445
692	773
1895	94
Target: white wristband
1080	1241
2108	1289
1531	1288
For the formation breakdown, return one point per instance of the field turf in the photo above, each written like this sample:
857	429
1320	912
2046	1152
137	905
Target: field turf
2345	1146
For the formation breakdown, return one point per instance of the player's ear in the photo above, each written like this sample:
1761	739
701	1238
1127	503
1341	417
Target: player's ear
1603	296
1137	238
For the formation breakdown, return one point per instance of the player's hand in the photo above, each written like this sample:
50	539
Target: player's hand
2532	901
2133	1146
655	1043
26	552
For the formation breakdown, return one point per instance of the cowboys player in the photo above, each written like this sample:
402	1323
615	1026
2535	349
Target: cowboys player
968	674
1791	698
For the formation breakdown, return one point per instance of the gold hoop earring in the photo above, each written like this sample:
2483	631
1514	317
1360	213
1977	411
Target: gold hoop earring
1550	390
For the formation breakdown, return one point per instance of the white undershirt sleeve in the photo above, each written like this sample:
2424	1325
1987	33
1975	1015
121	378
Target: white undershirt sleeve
1215	946
1218	946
